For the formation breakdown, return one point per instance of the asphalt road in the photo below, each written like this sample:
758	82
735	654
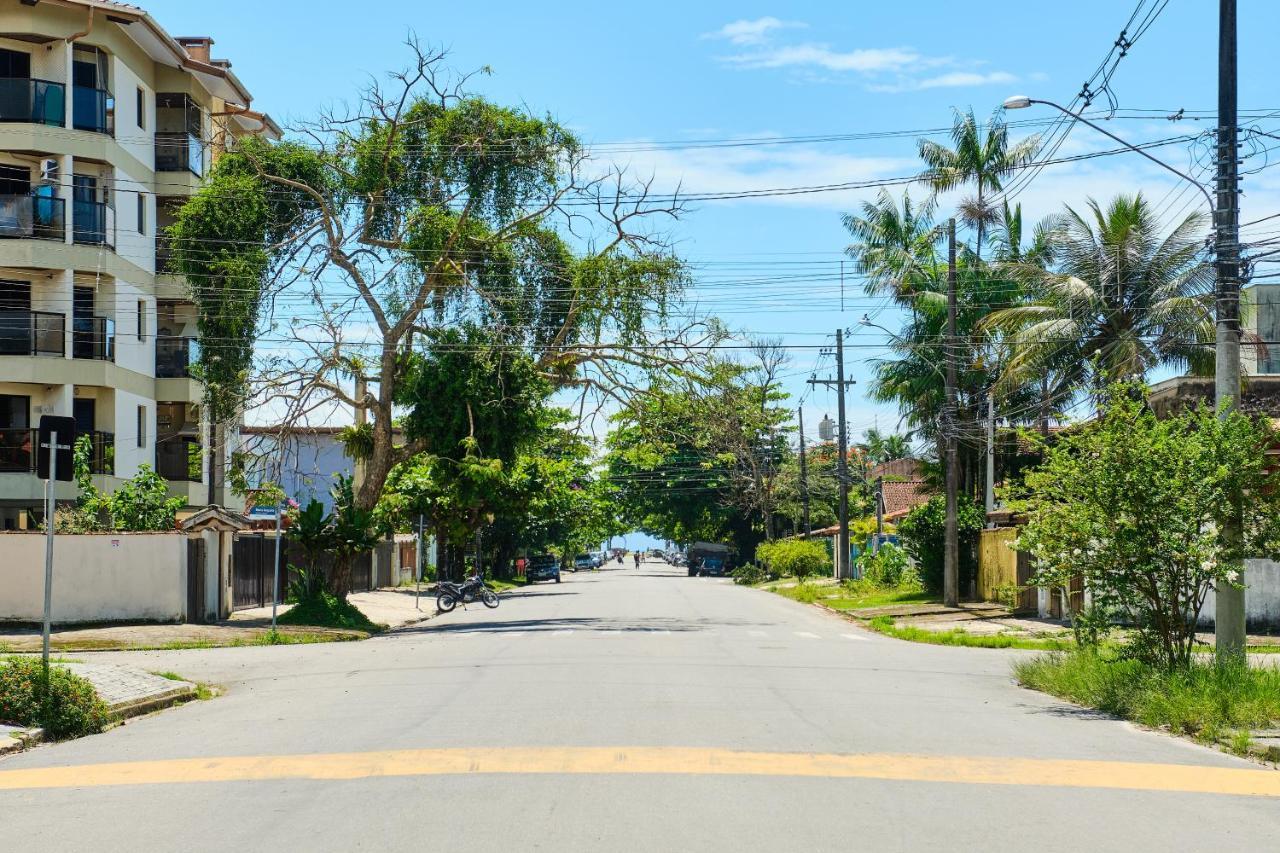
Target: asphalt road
633	709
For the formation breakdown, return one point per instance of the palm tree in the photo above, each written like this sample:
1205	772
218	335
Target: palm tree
984	161
1120	301
885	448
894	244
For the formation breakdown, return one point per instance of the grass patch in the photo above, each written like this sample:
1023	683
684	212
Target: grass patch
327	611
871	598
959	637
1207	702
504	586
172	676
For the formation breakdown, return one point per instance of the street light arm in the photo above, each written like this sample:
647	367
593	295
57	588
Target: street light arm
1022	102
866	321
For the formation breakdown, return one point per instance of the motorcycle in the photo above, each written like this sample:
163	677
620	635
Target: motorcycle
450	594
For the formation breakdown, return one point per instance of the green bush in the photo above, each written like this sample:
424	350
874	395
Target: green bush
326	610
923	534
887	567
751	574
70	709
797	558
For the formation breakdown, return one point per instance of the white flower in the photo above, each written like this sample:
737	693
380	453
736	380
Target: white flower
1233	576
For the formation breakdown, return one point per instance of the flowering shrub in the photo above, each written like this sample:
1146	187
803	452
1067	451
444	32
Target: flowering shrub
71	708
797	558
1134	504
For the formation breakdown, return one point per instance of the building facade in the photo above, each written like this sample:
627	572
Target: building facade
107	124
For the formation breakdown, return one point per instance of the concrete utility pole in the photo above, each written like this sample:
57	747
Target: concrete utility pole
1229	608
804	475
843	567
951	559
879	512
991	452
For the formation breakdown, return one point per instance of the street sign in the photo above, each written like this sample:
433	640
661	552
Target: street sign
66	430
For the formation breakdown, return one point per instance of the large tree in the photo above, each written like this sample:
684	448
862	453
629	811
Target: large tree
426	205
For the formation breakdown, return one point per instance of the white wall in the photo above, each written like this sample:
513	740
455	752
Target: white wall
1261	596
114	577
128	455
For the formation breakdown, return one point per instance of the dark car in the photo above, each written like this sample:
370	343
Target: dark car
544	567
584	562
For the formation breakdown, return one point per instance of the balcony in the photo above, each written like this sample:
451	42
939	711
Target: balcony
93	110
89	224
93	338
179	152
39	216
18	456
32	333
174	357
179	459
33	101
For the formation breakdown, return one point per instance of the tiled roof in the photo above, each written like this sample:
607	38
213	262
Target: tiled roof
900	497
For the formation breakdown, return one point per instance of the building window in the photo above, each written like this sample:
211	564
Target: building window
142	109
142	426
142	319
142	214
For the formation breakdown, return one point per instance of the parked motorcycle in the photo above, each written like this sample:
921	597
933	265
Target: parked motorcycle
450	594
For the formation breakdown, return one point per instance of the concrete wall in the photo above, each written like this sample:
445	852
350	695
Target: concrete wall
1261	596
115	577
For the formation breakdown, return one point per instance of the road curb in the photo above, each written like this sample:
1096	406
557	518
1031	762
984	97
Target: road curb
23	740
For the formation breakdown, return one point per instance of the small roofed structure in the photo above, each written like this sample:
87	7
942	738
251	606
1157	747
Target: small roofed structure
215	518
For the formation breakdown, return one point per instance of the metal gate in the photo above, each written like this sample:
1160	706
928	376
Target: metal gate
195	579
252	575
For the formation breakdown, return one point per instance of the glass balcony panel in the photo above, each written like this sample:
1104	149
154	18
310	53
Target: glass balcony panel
34	101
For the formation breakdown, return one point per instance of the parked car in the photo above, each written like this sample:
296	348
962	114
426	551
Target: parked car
584	562
708	558
544	567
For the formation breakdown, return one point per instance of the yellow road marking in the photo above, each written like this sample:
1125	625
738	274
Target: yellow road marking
658	760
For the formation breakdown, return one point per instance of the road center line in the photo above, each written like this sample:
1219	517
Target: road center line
807	635
658	761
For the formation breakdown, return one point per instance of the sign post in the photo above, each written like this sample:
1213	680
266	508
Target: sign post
57	435
417	582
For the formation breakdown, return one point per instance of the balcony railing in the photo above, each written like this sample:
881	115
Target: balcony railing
32	332
18	454
179	459
179	152
90	223
39	216
92	110
17	450
174	357
93	338
34	101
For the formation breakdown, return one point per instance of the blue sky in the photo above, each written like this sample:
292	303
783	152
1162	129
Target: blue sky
624	75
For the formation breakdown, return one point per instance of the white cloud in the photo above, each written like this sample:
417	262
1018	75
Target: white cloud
886	69
745	32
868	61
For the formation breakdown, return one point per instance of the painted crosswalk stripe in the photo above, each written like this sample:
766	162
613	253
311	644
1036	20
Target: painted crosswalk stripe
807	635
566	632
857	637
758	633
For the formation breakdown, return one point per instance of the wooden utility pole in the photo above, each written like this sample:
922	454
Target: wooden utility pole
951	560
804	475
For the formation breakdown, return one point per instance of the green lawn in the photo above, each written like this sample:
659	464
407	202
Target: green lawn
959	637
848	596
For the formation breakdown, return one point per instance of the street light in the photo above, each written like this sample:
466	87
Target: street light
1021	102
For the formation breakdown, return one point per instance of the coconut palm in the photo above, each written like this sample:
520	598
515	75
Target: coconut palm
894	245
978	159
1120	300
885	448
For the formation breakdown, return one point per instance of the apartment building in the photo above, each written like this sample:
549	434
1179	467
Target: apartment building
107	123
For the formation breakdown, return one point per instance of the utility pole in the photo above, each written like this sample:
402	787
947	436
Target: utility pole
843	568
991	452
1229	613
951	560
804	475
879	513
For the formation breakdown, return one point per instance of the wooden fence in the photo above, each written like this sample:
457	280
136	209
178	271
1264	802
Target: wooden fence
1004	574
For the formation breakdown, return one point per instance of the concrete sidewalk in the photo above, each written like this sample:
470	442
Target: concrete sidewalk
392	607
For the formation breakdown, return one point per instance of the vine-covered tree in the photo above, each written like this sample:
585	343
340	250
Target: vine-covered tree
425	206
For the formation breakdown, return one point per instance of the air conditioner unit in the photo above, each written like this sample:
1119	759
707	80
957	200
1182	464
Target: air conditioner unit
49	170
